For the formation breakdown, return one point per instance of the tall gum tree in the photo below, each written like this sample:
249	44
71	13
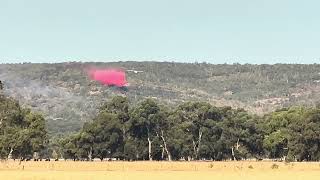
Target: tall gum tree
144	119
193	118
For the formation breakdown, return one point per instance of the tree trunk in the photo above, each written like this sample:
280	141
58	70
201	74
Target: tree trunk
196	146
189	158
199	142
232	152
237	145
149	149
162	153
10	154
90	154
165	146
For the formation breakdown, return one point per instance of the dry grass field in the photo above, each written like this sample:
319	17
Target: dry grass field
69	170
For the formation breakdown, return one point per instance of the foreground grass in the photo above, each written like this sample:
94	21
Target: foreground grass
158	170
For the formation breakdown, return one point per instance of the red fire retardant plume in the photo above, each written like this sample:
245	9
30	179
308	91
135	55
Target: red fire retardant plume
109	77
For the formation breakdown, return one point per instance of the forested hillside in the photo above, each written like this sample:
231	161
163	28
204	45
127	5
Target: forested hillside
67	98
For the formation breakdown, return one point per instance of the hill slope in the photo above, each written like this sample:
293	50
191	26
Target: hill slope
68	98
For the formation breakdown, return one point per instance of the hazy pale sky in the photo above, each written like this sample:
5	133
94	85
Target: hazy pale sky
215	31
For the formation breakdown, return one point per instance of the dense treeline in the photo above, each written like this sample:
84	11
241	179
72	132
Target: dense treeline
152	131
194	131
23	133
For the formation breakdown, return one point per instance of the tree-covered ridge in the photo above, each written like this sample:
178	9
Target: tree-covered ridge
194	131
68	98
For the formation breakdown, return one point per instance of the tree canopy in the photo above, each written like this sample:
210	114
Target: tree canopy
195	131
22	132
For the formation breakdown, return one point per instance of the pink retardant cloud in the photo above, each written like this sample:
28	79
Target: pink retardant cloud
109	77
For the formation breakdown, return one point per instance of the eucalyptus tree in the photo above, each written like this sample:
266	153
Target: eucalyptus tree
144	122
